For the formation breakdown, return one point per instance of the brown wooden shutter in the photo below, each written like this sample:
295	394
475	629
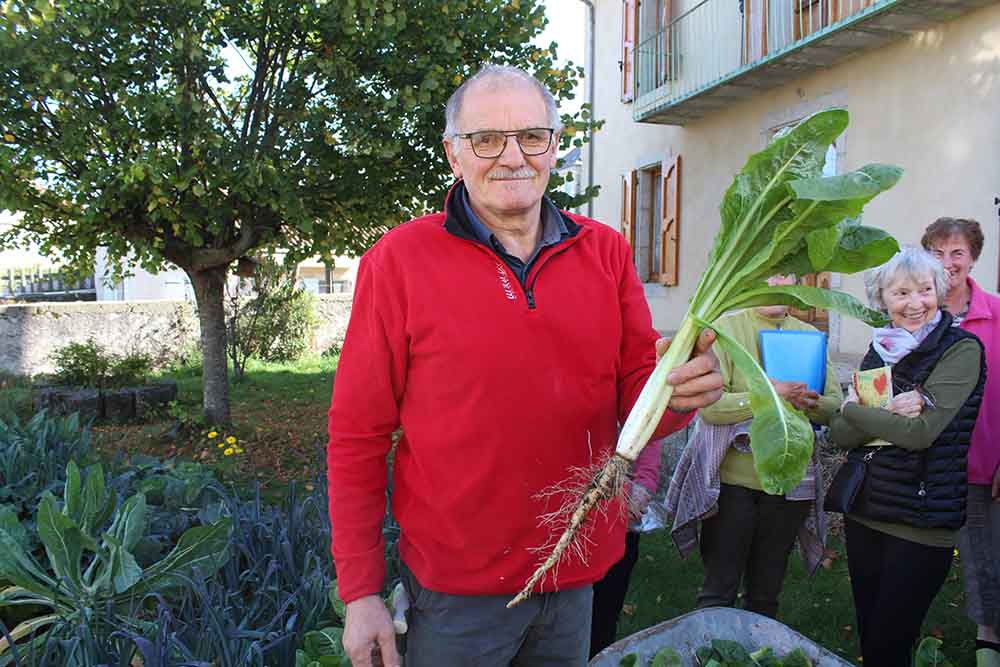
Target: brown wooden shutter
629	182
670	222
630	25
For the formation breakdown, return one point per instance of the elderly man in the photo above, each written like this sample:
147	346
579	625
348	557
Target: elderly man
508	339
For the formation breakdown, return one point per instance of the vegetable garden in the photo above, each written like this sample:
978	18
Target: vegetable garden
150	562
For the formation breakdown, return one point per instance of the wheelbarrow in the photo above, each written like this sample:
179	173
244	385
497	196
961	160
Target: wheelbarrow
687	633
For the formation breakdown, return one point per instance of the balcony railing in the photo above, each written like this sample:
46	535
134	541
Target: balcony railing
38	283
716	40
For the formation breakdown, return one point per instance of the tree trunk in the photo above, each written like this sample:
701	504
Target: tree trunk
209	286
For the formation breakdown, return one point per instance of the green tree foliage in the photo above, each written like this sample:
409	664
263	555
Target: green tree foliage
195	132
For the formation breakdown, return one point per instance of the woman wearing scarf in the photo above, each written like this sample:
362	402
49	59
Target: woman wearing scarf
901	529
957	243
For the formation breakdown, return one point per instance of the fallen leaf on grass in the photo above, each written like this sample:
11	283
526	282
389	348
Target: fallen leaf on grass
629	609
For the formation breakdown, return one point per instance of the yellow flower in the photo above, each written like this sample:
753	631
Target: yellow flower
212	434
231	440
239	450
229	451
221	445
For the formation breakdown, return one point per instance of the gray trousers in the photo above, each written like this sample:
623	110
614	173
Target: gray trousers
749	539
979	549
551	629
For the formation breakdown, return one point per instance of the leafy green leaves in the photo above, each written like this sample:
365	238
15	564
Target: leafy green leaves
781	216
929	654
322	648
112	575
781	437
728	653
803	297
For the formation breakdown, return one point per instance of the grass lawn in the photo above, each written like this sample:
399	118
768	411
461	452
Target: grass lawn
664	586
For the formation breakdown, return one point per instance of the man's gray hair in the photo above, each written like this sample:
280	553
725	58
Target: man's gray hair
495	75
909	262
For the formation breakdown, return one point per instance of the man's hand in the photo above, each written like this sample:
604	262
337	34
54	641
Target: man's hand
697	382
638	500
907	404
367	629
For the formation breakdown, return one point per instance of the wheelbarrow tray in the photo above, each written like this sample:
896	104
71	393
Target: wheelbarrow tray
691	631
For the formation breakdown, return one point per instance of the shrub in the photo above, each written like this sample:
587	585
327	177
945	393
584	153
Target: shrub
81	364
90	365
269	317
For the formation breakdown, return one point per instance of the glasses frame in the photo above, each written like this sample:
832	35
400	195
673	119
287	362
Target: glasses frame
506	135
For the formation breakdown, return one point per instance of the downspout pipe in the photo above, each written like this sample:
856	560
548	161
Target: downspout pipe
589	73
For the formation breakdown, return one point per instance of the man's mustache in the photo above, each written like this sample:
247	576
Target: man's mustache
505	174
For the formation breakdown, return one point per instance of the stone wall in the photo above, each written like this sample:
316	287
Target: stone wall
29	333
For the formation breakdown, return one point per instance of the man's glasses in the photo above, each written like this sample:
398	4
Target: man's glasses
492	143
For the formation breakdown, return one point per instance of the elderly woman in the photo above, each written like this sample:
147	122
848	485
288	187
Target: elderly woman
902	527
957	243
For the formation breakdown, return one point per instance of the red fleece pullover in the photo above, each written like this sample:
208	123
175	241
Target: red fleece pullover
498	402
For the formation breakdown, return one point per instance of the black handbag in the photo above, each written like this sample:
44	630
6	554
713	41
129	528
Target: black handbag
849	480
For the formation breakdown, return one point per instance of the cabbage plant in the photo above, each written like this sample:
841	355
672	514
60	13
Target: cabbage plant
91	564
779	216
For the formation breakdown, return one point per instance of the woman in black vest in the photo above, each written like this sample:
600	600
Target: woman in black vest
901	528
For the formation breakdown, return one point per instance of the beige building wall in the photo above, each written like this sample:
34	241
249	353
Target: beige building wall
929	103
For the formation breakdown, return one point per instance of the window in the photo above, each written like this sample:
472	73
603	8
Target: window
651	220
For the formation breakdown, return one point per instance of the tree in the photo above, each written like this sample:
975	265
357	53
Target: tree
198	132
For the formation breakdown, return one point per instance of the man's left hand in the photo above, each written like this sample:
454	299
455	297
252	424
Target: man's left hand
697	382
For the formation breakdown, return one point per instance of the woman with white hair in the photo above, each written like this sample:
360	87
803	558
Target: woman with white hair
902	526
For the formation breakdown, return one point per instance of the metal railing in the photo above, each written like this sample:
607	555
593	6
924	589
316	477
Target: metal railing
335	287
33	282
715	38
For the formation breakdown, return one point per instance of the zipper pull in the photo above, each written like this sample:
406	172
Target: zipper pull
923	491
530	294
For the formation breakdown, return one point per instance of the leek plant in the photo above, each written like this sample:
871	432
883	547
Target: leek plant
779	216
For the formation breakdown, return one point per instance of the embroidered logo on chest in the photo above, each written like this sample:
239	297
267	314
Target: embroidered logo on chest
508	289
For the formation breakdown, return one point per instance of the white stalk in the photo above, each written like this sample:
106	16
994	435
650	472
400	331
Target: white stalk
655	395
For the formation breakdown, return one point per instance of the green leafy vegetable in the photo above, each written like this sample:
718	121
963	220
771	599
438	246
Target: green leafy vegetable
630	660
929	654
727	653
796	658
779	216
667	657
